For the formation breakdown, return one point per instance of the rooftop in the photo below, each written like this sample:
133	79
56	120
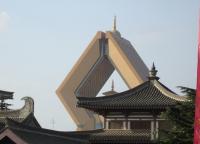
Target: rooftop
150	95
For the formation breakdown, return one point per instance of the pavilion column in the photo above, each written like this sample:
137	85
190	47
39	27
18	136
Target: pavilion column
157	127
124	125
106	124
152	129
129	125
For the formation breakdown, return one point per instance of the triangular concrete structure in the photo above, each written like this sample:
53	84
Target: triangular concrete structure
107	52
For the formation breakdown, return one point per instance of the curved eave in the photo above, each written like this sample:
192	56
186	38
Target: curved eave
21	113
169	93
142	107
104	109
164	90
161	99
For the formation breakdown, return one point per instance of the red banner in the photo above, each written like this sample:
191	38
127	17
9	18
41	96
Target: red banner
197	101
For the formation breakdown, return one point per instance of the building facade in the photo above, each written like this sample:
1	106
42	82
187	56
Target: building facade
108	51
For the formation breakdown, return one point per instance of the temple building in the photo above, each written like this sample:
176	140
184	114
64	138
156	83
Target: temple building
130	117
133	116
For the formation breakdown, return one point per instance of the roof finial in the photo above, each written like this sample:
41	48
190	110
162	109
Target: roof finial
153	73
113	86
114	24
112	91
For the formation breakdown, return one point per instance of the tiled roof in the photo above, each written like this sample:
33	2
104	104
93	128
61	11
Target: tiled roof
24	115
32	135
22	112
149	95
6	95
120	136
37	137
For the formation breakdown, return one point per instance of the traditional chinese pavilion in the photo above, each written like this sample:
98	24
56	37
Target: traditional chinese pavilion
133	116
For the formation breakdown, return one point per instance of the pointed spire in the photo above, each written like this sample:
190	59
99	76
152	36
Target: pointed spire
113	86
112	91
153	73
114	24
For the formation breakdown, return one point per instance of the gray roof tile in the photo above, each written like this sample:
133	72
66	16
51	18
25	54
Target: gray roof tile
144	96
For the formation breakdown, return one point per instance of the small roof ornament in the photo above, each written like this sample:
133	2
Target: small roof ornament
112	91
153	73
112	86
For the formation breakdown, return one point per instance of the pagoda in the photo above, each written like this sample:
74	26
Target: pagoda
112	91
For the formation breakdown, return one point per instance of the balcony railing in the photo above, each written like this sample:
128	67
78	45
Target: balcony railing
142	133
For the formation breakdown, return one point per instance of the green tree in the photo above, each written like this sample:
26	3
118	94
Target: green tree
181	118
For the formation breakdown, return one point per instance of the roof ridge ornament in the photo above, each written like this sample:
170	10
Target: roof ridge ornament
153	73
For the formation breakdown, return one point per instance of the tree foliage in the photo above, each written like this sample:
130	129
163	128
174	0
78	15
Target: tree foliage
181	118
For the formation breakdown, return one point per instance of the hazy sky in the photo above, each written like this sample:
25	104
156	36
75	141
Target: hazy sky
40	41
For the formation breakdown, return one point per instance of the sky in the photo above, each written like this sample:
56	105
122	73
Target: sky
40	41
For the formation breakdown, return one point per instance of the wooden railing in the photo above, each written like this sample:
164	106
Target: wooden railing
146	133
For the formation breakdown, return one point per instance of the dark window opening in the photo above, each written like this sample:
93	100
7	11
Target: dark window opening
141	125
141	128
116	124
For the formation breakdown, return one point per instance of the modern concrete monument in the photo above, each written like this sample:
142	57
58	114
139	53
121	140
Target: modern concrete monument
107	52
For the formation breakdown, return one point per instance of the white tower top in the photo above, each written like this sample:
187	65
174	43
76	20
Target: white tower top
114	24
